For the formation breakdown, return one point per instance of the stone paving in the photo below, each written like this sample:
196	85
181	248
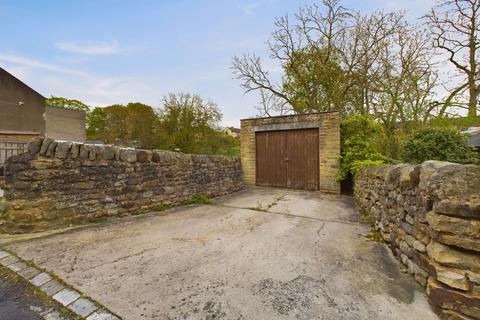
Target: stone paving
82	307
259	254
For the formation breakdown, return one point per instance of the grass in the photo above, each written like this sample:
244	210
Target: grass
199	198
162	207
368	219
374	234
97	219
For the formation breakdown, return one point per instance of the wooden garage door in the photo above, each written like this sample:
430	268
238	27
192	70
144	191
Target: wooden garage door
287	159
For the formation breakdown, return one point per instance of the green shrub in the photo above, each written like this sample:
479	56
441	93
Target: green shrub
360	145
457	122
436	143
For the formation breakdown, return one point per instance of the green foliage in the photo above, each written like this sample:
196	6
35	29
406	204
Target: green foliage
198	199
190	124
96	123
135	121
437	143
457	122
185	122
162	207
360	145
390	144
314	81
97	219
223	144
60	102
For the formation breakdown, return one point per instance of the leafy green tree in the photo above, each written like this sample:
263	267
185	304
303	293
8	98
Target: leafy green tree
189	123
444	144
115	123
360	145
135	121
141	124
314	81
65	103
185	122
96	123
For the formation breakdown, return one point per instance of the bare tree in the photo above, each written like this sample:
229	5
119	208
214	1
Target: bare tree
404	88
314	29
334	58
455	26
255	77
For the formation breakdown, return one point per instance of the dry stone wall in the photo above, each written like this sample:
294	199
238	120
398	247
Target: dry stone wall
429	215
58	183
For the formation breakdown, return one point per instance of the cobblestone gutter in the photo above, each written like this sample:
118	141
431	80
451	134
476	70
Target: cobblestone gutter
61	183
83	307
429	215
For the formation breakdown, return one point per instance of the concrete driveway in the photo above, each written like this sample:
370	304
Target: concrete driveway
258	254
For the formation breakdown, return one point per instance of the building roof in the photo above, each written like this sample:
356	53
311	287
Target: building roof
233	129
474	140
474	136
5	73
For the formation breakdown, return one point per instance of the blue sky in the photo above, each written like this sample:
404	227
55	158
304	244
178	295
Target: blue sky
111	51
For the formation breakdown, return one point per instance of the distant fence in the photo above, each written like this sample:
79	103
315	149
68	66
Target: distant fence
11	148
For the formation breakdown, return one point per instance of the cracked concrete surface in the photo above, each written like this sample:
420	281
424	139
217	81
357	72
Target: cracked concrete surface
303	259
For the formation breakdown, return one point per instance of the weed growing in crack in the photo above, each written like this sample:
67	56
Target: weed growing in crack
198	199
97	219
161	207
260	208
139	212
374	234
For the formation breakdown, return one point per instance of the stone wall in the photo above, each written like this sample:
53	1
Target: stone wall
59	183
328	124
429	215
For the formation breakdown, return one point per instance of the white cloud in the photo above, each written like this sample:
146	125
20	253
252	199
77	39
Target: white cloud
96	90
52	79
250	7
98	48
27	62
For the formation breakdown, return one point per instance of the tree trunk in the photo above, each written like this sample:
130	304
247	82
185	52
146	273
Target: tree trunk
472	99
472	86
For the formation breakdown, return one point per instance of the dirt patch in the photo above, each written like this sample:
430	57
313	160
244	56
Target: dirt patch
298	296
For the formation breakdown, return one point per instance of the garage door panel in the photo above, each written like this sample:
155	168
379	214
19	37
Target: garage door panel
288	159
271	167
302	153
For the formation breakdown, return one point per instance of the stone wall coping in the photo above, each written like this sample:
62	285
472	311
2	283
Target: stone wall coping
287	126
290	115
62	149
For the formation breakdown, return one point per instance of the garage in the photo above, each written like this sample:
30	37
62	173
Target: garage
287	159
295	151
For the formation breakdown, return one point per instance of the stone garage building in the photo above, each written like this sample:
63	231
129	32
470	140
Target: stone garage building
295	151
